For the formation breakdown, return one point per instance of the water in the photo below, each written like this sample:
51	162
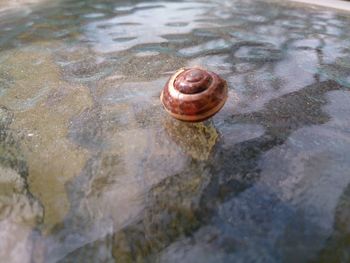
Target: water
93	170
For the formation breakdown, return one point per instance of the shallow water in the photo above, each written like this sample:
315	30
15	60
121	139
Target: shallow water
93	170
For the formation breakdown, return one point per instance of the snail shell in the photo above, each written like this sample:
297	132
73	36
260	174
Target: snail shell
194	94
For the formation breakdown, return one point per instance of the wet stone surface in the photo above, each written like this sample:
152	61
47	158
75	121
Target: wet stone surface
93	170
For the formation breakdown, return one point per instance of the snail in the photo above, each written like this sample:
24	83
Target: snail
194	94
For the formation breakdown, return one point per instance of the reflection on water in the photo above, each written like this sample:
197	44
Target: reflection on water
93	170
143	23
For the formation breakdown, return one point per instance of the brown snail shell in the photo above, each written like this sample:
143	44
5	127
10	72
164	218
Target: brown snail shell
194	94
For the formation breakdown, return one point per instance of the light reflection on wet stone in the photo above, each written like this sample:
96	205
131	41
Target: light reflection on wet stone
212	46
258	52
42	105
100	173
196	140
153	20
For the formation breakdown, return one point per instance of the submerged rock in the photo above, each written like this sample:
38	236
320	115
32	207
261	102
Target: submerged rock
16	203
195	139
42	105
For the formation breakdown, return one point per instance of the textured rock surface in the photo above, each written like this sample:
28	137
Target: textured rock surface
93	170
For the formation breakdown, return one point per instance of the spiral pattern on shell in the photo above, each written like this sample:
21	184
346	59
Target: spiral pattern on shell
194	94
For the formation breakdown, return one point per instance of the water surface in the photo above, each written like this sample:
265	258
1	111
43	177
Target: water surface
93	170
